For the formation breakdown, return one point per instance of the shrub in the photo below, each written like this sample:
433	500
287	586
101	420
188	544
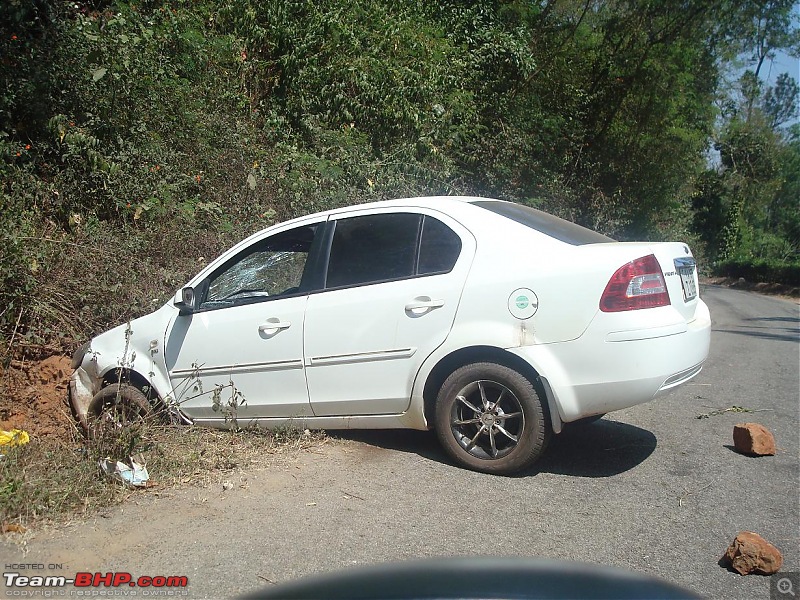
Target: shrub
760	270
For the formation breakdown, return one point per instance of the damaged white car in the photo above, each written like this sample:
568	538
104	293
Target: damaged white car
491	322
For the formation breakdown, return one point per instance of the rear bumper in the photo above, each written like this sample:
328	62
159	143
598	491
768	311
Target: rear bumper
605	371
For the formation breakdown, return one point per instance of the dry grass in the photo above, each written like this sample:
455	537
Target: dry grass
56	480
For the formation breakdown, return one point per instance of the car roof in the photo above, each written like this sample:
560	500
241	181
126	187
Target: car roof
455	206
450	205
444	202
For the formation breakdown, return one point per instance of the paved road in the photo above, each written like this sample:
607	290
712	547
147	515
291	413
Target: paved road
653	489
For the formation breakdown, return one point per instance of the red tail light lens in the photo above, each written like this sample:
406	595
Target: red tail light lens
638	284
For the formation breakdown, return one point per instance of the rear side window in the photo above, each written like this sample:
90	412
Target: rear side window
438	249
555	227
373	248
387	247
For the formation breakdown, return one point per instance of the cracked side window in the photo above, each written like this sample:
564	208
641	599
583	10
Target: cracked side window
270	268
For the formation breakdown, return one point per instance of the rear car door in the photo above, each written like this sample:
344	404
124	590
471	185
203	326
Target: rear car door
393	283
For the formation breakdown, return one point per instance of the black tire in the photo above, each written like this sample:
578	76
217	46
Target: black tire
119	404
490	418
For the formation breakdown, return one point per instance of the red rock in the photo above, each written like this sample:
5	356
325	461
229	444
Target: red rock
750	553
753	439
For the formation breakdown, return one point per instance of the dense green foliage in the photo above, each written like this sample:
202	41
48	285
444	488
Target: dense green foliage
138	139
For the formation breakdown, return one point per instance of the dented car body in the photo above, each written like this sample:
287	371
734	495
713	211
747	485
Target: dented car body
491	322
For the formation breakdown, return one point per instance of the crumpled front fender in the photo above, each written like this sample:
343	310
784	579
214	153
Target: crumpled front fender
81	392
135	347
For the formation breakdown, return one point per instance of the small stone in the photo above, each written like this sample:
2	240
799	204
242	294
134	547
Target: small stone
750	553
753	439
739	283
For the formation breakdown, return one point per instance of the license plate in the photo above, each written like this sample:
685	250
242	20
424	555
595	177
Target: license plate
688	282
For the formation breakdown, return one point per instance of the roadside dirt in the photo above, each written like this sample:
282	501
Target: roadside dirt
33	397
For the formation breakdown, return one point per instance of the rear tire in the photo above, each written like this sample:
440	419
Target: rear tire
490	418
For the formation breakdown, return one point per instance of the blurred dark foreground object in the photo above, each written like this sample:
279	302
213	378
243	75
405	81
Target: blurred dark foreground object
489	578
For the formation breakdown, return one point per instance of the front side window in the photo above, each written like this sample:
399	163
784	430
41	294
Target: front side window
270	268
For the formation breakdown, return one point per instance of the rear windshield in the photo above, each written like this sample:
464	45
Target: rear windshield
555	227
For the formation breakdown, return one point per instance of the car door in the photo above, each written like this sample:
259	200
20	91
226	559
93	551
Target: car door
393	284
243	343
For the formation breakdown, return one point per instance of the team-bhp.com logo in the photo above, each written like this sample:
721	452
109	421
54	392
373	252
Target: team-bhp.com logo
159	585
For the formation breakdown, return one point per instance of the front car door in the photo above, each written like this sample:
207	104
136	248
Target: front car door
393	284
241	350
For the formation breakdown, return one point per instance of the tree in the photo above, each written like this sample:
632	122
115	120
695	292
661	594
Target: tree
761	29
749	191
784	209
780	101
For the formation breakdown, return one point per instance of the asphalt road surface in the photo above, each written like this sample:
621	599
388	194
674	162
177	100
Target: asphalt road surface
653	489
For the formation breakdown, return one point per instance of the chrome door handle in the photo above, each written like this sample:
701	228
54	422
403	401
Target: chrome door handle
273	326
423	304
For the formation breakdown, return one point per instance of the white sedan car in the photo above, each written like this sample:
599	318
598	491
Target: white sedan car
491	322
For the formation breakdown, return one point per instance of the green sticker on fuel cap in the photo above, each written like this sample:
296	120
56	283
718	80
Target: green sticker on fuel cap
523	303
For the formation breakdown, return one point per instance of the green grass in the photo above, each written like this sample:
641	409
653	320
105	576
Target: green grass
57	480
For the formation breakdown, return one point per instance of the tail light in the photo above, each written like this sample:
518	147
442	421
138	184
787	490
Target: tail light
638	284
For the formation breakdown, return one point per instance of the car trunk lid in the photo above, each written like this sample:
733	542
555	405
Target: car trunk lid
680	274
